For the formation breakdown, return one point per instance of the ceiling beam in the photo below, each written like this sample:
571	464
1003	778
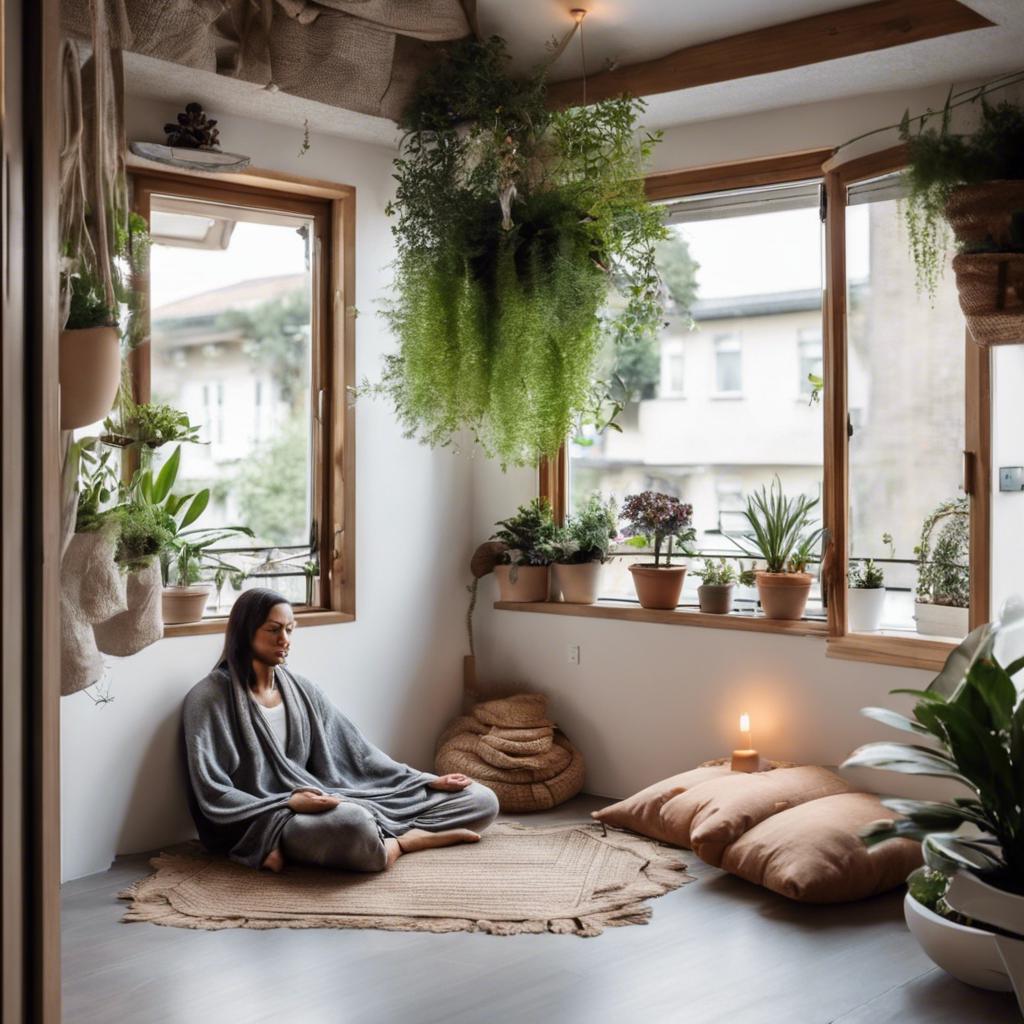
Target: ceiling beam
852	30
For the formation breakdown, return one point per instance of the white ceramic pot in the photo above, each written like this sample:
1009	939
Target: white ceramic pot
578	584
941	620
969	954
522	583
864	607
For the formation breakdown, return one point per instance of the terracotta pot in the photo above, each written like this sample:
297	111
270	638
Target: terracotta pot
522	583
941	620
185	604
864	607
784	594
991	291
89	371
658	586
578	584
715	598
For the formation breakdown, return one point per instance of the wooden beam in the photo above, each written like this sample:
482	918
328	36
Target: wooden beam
771	170
844	33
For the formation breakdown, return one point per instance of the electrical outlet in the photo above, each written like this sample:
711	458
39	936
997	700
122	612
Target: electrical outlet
574	654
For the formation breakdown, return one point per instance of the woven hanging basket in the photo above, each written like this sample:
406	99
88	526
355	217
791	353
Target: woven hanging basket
991	287
991	284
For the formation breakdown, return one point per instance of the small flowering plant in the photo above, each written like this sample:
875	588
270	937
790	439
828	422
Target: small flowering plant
652	518
717	574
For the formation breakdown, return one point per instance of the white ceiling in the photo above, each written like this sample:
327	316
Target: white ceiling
627	31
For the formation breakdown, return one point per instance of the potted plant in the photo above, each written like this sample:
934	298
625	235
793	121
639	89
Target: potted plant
514	224
975	182
969	728
90	353
580	548
779	525
651	520
187	556
148	425
715	592
943	571
865	596
522	568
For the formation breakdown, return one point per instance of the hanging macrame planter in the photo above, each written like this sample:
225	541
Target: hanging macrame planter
990	283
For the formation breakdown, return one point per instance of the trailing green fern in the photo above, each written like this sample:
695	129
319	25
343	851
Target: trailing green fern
512	223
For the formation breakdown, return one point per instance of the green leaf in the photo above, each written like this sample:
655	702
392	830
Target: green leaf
165	479
197	508
905	758
959	661
894	719
949	853
930	814
996	688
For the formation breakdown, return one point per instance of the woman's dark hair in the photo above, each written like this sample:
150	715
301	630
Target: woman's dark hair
248	613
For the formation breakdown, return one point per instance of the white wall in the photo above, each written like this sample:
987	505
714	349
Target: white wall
646	700
396	671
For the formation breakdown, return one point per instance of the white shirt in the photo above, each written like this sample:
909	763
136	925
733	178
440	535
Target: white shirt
277	719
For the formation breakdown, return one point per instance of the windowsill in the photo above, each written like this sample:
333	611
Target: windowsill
629	612
927	653
216	624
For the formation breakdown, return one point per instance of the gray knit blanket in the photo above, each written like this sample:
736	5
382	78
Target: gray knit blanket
241	780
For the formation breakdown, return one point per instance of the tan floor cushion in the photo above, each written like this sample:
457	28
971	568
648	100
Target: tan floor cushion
717	814
641	811
813	853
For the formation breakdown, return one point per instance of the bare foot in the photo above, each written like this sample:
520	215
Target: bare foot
274	861
420	839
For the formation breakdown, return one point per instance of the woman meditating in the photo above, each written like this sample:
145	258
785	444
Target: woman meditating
278	774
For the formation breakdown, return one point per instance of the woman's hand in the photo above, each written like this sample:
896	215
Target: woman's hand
451	783
312	801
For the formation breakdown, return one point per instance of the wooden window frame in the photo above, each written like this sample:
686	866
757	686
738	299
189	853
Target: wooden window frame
332	208
910	651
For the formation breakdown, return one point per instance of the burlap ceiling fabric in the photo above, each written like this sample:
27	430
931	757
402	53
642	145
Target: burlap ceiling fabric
361	55
564	879
510	746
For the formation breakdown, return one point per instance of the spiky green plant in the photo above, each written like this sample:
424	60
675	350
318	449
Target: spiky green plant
779	524
969	724
512	223
587	535
866	575
528	535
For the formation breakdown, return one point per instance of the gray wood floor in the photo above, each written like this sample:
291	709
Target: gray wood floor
716	950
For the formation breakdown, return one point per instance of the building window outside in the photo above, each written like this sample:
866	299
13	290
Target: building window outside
728	365
673	380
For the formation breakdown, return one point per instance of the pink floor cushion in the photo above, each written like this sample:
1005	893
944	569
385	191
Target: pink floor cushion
813	852
641	812
717	814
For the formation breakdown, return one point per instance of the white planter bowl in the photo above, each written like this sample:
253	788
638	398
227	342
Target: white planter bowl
578	584
969	954
941	620
864	607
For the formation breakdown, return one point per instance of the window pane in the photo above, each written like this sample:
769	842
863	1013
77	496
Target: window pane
906	403
756	279
231	300
810	356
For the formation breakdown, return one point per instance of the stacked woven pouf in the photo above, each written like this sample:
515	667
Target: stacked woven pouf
511	747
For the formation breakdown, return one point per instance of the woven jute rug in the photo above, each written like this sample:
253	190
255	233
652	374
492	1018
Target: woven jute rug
576	879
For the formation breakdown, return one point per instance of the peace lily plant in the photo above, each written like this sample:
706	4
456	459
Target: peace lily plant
968	727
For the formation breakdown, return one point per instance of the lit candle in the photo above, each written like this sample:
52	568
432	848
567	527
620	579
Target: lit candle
745	759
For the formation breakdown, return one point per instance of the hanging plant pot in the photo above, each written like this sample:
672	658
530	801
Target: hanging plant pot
982	215
142	624
658	586
522	583
784	594
578	584
185	604
90	371
991	290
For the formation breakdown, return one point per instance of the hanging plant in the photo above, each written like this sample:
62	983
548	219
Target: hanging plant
523	239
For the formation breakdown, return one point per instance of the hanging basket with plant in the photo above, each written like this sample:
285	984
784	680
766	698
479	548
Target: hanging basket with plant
523	239
975	184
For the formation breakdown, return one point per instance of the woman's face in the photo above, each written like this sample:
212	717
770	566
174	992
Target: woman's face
272	640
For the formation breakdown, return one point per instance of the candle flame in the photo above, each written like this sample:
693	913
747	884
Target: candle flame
744	723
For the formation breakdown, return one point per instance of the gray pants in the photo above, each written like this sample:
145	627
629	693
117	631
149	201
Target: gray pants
347	838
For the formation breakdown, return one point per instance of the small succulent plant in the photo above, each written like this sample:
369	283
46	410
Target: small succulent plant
193	130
